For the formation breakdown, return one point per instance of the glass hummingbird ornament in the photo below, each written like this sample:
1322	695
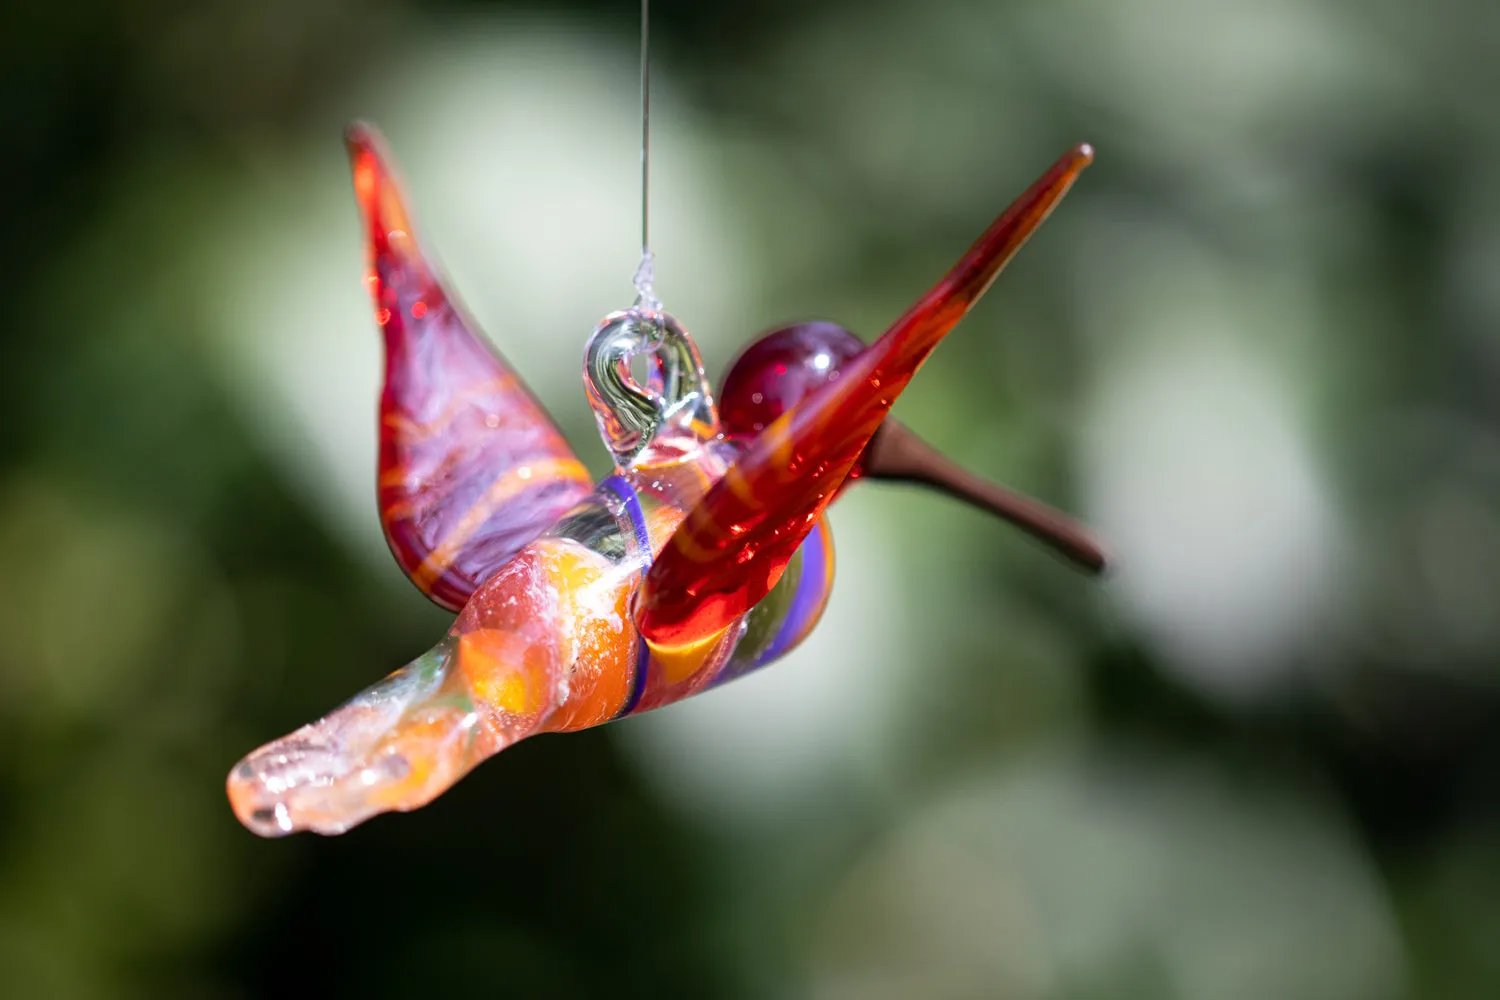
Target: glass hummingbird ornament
704	556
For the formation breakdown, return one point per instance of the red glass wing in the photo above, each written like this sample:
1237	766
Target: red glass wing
734	545
471	466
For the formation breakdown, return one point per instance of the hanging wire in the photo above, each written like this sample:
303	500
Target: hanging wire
645	274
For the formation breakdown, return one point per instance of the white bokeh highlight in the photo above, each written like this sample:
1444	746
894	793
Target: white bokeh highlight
1119	873
1198	469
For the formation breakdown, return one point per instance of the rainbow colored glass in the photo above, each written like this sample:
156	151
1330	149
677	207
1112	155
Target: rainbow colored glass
704	556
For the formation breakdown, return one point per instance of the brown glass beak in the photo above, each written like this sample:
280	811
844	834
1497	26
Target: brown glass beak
897	454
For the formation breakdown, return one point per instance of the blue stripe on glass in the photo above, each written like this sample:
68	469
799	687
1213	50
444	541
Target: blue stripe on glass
804	602
627	496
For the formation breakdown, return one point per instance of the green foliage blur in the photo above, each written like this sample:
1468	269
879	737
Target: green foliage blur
1258	347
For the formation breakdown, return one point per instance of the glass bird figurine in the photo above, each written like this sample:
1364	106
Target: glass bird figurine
704	556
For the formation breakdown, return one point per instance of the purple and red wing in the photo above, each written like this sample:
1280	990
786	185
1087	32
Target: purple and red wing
735	544
471	467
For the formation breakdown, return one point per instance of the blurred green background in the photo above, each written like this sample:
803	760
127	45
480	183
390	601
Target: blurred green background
1258	347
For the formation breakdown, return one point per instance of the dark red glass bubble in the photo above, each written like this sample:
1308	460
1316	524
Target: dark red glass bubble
777	371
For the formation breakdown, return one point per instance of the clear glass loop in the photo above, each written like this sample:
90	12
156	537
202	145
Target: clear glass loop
673	408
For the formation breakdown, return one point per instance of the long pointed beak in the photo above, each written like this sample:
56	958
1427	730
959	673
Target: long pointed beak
897	454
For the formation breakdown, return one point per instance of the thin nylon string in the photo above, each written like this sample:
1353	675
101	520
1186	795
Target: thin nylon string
645	274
